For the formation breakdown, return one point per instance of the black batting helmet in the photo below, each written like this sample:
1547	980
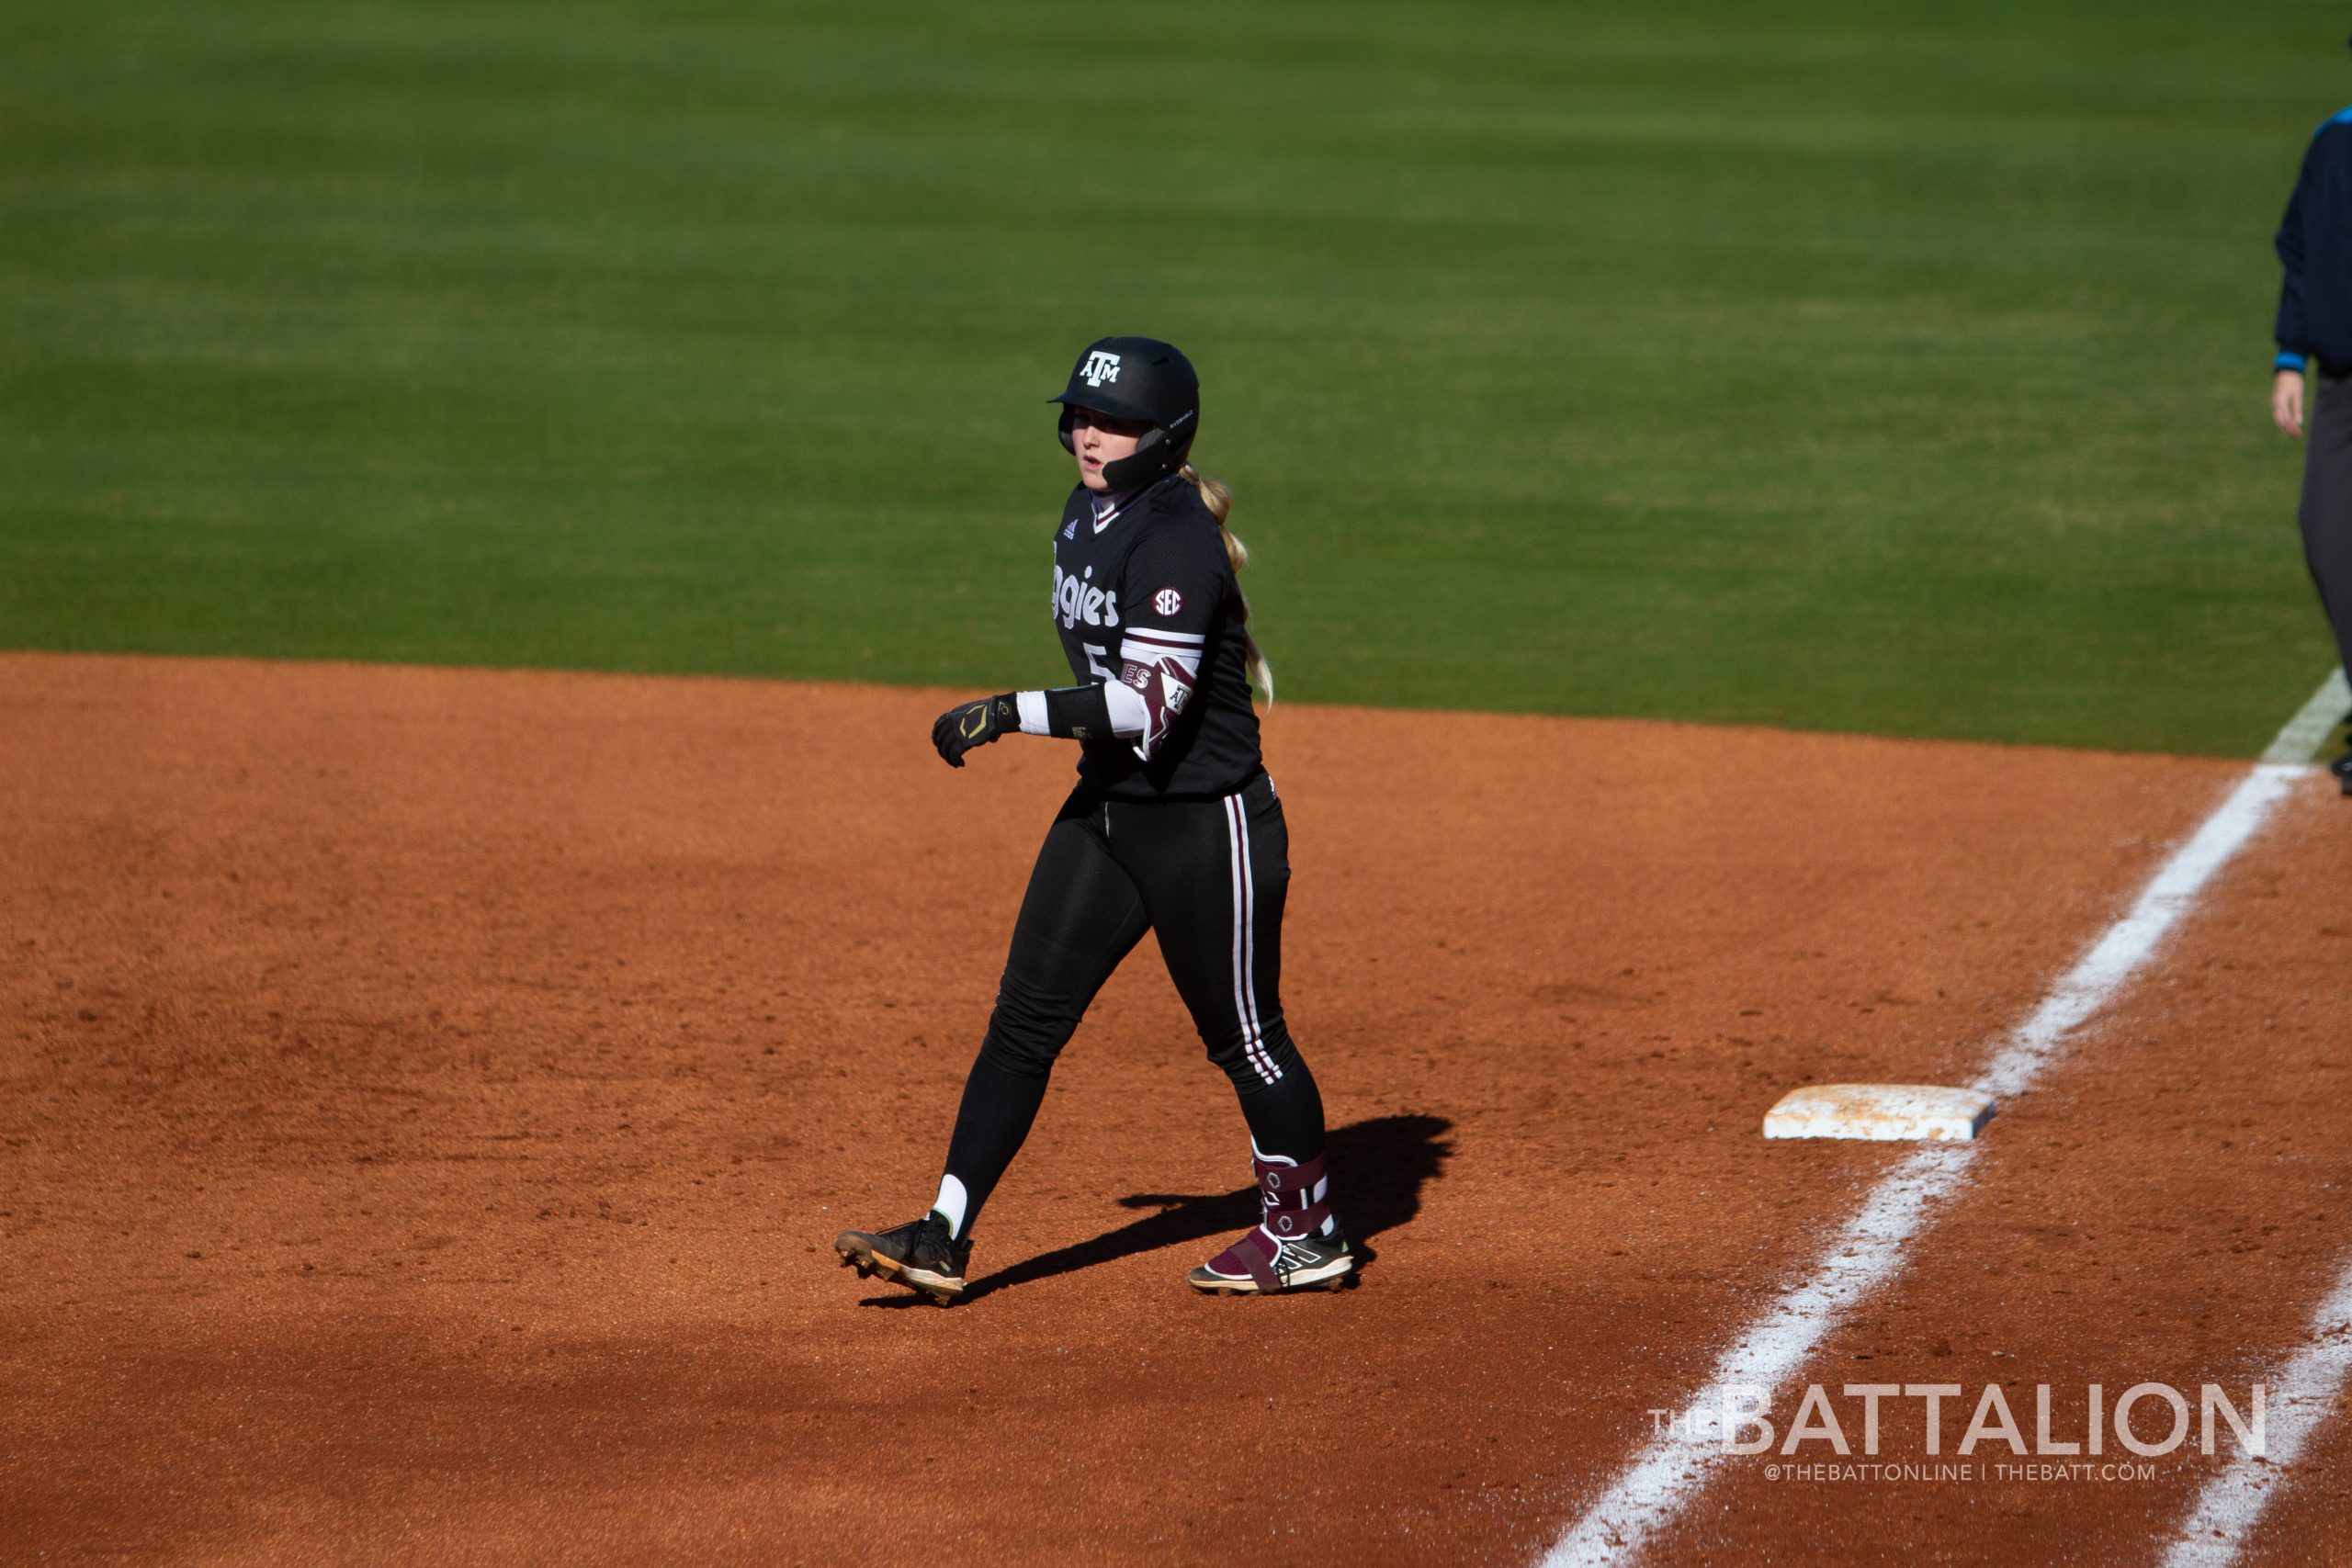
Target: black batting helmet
1140	379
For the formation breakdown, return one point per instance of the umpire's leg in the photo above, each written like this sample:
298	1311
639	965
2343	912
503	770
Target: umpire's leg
2326	510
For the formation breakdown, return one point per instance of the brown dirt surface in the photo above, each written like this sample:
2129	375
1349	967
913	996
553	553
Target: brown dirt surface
430	1097
2167	1206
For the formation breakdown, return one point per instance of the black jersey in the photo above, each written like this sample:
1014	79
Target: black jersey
1152	580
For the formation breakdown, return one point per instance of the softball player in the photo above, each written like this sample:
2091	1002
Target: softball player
1173	828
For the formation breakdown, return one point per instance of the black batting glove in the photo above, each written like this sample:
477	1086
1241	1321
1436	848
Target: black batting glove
967	725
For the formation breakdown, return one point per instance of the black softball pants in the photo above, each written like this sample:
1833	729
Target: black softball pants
1209	878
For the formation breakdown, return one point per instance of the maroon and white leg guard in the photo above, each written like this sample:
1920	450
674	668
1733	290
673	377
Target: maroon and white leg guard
1292	1202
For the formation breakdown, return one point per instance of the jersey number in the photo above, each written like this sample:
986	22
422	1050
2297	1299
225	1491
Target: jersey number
1095	655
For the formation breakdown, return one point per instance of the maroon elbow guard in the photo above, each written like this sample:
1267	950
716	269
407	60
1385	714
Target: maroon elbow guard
1165	687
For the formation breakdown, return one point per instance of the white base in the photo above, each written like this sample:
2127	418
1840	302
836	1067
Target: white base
1882	1111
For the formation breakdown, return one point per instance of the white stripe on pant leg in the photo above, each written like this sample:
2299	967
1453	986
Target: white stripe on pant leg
1245	941
1233	871
1245	998
1250	941
1249	949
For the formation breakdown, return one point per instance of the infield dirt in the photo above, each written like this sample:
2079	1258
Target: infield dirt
431	1096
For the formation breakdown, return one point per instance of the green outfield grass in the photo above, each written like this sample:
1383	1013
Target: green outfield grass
1895	368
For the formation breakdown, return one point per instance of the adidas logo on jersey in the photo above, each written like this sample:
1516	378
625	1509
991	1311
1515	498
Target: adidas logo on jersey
1077	599
1070	529
1100	368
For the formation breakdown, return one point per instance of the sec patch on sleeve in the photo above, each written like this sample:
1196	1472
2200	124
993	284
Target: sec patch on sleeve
1167	602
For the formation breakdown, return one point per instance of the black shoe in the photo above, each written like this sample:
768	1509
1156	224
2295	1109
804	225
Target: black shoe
919	1255
2342	769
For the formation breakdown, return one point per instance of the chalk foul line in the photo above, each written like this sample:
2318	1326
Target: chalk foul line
1867	1252
2305	733
2302	1396
2304	1393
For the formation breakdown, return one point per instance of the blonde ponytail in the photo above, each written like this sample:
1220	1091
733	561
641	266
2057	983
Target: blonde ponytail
1218	498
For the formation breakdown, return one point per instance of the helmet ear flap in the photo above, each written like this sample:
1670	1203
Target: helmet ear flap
1157	453
1068	420
1145	462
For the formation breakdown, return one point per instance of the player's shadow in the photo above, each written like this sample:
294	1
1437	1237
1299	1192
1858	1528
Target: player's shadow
1378	1168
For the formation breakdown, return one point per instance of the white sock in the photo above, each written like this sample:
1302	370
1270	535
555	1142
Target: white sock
950	1206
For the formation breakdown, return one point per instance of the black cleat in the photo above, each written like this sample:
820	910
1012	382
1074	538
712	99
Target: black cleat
2342	769
919	1255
